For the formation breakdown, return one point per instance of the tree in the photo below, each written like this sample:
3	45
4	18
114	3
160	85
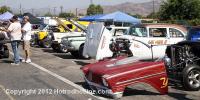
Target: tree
94	9
4	9
180	9
66	15
99	9
48	14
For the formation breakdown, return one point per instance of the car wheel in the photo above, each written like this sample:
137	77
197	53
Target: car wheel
63	49
75	54
6	53
81	52
191	77
55	48
46	43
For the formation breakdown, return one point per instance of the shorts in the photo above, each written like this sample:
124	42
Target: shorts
26	45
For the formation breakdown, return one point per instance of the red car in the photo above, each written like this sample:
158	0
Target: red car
113	75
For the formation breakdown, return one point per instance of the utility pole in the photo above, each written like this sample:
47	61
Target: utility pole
61	9
32	11
20	9
153	9
91	1
54	11
77	12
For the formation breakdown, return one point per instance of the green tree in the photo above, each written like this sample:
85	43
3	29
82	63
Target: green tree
99	9
66	15
4	9
48	14
180	9
94	9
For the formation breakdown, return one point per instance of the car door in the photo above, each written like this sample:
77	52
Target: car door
157	38
175	35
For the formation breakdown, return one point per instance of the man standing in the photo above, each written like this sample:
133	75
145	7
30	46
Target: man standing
26	31
15	35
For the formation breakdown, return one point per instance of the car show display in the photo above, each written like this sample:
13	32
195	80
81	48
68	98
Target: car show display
178	57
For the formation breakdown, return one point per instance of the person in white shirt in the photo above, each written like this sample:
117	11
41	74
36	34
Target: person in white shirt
26	31
14	31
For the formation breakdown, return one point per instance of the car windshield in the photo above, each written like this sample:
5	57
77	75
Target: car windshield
137	31
42	26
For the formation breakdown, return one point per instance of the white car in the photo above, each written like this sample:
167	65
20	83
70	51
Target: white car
143	41
75	44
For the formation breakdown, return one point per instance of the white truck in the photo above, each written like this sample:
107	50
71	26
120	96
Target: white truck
139	41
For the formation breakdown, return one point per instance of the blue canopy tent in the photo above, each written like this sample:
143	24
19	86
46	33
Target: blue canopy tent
119	17
91	18
6	16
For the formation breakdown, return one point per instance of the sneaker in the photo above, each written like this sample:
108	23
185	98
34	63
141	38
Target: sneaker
23	60
28	61
15	64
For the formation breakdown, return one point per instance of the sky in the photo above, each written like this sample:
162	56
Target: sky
67	4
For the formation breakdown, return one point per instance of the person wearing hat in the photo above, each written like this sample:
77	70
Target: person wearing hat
14	31
26	31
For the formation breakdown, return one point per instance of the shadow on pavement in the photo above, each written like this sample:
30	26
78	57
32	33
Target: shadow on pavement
81	63
64	56
131	92
179	96
48	50
6	61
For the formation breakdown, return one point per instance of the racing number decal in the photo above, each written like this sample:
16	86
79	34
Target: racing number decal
157	42
165	82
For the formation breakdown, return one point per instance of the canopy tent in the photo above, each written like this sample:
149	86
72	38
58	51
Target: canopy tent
91	18
6	16
119	17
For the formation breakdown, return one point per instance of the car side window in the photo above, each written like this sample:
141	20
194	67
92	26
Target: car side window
119	32
157	32
175	33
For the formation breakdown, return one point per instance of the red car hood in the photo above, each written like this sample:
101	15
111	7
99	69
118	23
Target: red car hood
116	66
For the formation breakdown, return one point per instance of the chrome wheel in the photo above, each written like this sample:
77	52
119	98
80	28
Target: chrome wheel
194	78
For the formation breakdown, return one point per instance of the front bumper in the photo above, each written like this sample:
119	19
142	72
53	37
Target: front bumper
102	90
68	47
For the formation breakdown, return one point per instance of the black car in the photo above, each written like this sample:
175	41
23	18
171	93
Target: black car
183	64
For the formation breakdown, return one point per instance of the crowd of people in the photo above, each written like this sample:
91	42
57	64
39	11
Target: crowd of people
19	33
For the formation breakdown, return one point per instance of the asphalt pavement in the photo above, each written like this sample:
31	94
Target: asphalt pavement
57	76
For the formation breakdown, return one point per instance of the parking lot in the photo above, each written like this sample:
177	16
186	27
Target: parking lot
57	76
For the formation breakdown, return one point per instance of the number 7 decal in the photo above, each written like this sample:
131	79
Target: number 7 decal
165	82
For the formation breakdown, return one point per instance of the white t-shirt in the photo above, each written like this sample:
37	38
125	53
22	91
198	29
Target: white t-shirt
15	31
27	34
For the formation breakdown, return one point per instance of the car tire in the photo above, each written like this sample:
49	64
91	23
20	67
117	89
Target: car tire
6	53
191	77
75	54
46	43
81	52
55	48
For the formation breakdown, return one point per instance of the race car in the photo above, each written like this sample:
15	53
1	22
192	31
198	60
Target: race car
100	44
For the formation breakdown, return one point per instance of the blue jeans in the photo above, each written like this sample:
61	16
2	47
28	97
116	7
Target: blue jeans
15	45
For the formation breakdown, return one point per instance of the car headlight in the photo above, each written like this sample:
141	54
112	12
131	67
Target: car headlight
104	82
